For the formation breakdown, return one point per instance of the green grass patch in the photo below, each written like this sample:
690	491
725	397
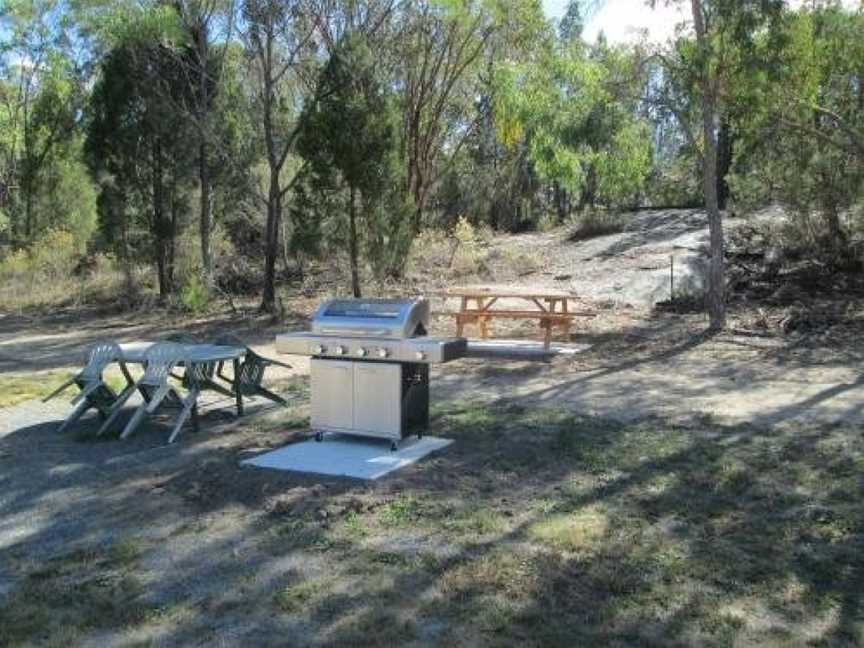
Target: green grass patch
403	511
18	388
297	597
354	526
473	521
582	530
15	389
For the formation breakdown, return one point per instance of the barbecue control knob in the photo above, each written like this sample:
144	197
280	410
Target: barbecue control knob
383	353
361	352
339	350
317	349
419	355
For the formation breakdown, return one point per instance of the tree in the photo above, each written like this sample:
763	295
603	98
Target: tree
142	150
40	100
349	136
572	22
725	44
278	41
716	293
441	46
803	131
203	61
579	135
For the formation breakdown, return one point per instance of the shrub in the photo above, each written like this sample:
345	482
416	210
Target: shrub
52	272
597	222
431	250
195	295
465	232
469	258
548	222
522	262
54	255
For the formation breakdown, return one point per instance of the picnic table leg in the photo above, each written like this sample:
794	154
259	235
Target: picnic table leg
481	319
566	321
547	337
238	395
460	321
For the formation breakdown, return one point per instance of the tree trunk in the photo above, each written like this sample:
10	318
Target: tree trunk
206	215
589	192
838	240
28	211
560	199
274	196
725	146
352	243
271	242
715	297
161	225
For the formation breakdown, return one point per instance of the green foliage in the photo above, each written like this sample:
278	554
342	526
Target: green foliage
195	296
42	90
573	21
804	144
143	151
622	167
68	198
52	270
349	139
51	258
443	114
577	133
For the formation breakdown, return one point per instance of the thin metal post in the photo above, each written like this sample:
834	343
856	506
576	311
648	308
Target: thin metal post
671	278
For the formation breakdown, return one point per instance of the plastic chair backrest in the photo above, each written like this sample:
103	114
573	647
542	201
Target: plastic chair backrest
159	360
252	370
101	355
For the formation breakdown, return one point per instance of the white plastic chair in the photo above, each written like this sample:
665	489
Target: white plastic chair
93	390
154	387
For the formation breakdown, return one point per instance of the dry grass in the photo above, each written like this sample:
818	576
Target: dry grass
61	599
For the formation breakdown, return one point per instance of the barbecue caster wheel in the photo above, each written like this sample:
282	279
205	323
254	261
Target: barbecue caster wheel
319	437
394	446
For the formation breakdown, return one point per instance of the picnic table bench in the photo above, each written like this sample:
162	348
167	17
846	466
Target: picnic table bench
477	306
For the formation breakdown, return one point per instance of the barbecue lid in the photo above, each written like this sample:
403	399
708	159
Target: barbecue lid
399	318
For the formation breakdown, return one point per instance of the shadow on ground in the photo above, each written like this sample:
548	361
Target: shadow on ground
537	527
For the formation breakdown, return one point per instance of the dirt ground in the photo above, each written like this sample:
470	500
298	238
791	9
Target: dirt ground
660	487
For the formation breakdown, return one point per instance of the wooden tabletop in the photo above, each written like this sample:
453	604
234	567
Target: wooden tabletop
506	291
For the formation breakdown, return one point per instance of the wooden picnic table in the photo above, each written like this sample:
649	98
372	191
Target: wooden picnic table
478	305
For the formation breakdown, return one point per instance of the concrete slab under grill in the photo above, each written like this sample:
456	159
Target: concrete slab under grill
521	349
348	456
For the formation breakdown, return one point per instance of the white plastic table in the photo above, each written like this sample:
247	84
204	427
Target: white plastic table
136	352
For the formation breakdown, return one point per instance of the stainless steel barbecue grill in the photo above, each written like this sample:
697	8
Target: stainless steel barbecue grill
370	366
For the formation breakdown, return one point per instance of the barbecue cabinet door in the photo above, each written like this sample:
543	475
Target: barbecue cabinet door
378	400
332	392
